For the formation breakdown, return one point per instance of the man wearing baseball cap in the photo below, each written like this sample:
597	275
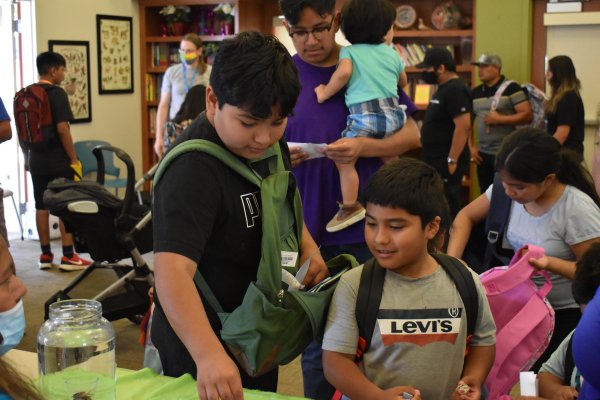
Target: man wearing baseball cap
447	123
499	106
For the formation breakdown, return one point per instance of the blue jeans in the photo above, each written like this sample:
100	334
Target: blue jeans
315	385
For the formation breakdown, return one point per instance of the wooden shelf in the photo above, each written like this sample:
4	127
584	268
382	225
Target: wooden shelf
433	33
177	39
459	68
153	103
156	70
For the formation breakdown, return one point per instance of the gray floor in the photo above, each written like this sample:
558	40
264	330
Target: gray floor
42	284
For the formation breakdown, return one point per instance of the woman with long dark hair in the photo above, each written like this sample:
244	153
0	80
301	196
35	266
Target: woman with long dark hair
564	110
554	206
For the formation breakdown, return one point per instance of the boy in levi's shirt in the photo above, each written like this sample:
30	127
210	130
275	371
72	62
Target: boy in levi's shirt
419	339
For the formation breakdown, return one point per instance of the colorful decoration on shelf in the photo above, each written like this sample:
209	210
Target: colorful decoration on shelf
448	16
225	14
405	16
175	18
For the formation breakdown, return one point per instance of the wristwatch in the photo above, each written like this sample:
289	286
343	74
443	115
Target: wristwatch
451	160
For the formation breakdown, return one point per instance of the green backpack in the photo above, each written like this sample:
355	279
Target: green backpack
272	326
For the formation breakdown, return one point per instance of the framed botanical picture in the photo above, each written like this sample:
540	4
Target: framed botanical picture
115	54
77	76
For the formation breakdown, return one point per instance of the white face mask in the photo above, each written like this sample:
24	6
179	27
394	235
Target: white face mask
12	327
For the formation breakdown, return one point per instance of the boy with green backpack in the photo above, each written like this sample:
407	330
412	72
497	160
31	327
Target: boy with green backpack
212	229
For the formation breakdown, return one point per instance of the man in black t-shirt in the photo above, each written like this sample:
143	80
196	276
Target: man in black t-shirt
58	160
206	216
447	123
499	105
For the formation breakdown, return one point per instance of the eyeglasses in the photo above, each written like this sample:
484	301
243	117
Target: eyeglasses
318	32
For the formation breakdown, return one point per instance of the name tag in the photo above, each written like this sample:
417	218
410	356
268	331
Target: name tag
289	258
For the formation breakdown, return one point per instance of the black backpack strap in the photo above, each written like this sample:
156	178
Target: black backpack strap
465	285
496	222
569	363
368	300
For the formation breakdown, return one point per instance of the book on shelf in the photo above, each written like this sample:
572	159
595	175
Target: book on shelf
160	55
152	121
414	53
423	93
153	85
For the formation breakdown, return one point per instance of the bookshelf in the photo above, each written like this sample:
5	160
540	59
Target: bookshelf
413	42
159	44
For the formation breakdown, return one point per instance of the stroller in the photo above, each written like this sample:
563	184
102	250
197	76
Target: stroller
110	230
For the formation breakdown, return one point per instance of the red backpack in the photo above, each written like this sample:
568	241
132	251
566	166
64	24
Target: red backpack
33	117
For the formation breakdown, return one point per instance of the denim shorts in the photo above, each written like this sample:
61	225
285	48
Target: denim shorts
375	118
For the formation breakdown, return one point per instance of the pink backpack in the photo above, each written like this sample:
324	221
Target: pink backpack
524	318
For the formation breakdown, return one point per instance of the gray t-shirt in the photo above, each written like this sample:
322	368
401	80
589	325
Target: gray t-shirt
556	364
574	218
173	83
420	335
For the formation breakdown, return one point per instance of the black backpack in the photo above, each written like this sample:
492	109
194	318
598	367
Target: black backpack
370	291
484	249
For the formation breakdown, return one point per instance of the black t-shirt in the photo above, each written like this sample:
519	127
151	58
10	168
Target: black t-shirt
54	159
569	111
451	99
209	213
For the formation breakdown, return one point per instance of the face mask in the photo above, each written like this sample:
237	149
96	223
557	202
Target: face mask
188	58
429	77
12	327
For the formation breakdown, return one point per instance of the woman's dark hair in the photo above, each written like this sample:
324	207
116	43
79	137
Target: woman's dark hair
587	275
193	104
412	185
367	21
255	72
530	155
563	80
291	9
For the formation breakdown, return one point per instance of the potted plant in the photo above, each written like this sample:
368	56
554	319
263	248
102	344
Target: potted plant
225	13
175	18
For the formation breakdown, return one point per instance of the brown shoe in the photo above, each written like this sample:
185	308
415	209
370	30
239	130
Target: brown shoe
347	215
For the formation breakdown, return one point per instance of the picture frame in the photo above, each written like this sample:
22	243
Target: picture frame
77	76
115	54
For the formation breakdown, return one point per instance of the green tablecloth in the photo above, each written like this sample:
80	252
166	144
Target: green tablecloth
146	385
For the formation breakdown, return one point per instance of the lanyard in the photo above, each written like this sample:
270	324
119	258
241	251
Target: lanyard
187	85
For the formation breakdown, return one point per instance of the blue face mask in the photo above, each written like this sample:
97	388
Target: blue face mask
12	327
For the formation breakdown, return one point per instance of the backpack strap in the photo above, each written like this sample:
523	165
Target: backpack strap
463	279
569	364
496	222
368	300
499	93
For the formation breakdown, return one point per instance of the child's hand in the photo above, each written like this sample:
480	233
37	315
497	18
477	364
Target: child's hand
401	393
320	91
77	170
466	390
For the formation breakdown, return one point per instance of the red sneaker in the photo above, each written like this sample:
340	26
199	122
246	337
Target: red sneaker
73	264
46	261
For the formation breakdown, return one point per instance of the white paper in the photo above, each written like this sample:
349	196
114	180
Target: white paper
301	274
289	258
528	383
314	150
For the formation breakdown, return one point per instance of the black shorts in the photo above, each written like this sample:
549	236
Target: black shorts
40	183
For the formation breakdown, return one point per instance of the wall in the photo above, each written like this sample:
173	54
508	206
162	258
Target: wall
116	118
504	28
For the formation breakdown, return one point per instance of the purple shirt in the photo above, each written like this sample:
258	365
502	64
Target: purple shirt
318	179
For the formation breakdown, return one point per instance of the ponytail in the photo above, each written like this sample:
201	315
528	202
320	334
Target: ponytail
573	172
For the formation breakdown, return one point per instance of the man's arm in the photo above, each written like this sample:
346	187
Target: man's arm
348	150
522	115
462	130
161	118
5	131
562	133
338	80
64	135
218	376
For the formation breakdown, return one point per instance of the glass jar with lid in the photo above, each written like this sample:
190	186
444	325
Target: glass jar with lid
76	352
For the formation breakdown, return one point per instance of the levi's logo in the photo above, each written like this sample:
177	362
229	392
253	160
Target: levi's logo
420	327
251	208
